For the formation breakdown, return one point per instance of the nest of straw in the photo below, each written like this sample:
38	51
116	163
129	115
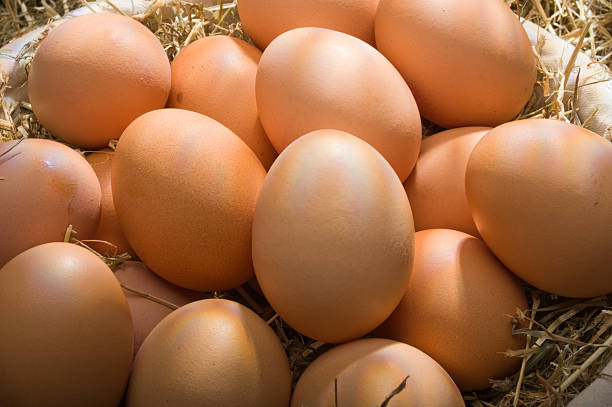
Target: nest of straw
569	340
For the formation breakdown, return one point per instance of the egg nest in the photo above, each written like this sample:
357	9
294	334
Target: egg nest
569	340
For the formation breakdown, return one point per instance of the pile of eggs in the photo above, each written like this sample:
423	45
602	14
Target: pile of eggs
302	166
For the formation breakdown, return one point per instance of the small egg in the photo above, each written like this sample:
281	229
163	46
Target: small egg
367	371
66	335
211	353
45	187
456	308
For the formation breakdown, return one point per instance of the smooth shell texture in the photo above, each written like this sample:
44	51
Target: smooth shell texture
541	196
94	74
185	189
332	237
313	78
109	229
147	313
211	353
436	186
215	76
264	20
367	372
468	63
65	330
456	308
46	187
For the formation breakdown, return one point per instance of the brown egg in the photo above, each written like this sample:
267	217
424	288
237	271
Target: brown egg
45	187
475	68
457	306
367	371
313	78
109	229
211	353
146	313
264	20
332	237
215	76
436	186
185	189
65	330
94	74
540	192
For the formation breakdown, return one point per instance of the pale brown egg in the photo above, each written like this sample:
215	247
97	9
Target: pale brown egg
540	192
185	188
367	371
468	63
94	74
436	186
313	78
457	306
211	353
66	334
332	237
264	20
215	76
45	187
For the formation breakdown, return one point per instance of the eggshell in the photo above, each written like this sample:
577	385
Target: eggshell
147	313
265	20
436	186
185	189
46	187
468	63
456	308
215	76
211	353
368	370
332	237
94	74
313	78
109	229
540	192
65	330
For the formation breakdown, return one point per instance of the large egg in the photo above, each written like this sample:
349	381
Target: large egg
332	237
313	78
540	192
456	308
65	330
215	76
436	186
94	74
468	62
211	353
367	371
264	20
45	187
185	188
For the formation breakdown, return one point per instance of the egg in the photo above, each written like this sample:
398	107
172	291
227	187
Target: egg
65	330
367	371
314	78
332	237
146	313
468	63
185	188
211	353
94	74
436	186
109	229
45	187
456	308
540	192
265	20
215	76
